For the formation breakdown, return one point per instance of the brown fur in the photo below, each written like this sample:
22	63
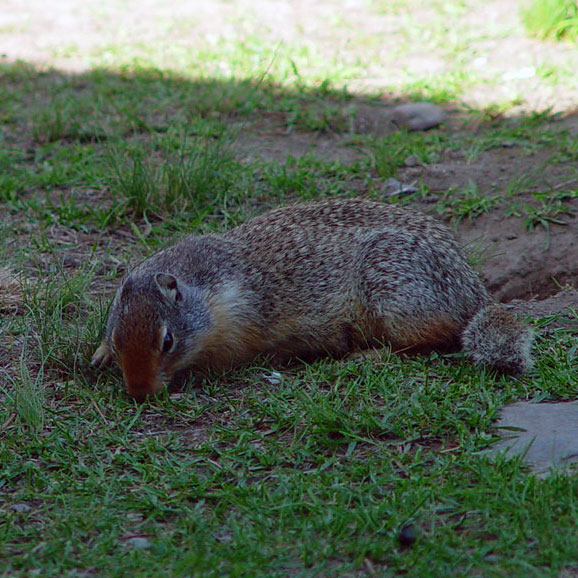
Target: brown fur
140	373
315	279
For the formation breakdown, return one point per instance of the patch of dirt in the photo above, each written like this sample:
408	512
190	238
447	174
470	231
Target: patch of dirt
274	147
271	140
560	306
494	170
523	263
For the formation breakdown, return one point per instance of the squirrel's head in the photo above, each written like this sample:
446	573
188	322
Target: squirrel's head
157	322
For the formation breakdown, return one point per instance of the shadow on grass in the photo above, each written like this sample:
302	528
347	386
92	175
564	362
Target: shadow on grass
98	151
106	104
319	471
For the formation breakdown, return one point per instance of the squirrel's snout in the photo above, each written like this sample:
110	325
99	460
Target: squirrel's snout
140	394
142	391
141	376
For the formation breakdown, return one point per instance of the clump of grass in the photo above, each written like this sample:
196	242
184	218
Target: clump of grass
386	159
50	337
548	209
68	117
305	178
60	321
49	125
186	179
467	204
322	117
134	179
552	19
389	153
27	396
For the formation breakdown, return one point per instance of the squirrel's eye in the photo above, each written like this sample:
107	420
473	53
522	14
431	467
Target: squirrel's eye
168	342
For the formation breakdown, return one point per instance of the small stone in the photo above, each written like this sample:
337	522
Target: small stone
138	543
274	378
519	74
412	161
418	115
134	517
392	188
20	508
407	536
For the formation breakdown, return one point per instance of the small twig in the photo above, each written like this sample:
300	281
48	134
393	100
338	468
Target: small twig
8	421
562	185
98	410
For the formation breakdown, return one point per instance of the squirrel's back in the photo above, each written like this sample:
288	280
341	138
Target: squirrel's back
342	274
304	280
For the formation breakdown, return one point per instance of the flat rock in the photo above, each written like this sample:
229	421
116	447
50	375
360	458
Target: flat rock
392	188
545	434
138	543
417	115
20	508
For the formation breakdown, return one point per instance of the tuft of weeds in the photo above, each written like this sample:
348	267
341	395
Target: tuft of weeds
468	203
307	177
194	177
25	390
134	179
551	19
12	180
389	153
60	321
322	117
549	210
68	115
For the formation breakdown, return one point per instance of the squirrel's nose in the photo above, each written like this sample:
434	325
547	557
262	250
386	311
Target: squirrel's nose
141	393
139	396
141	379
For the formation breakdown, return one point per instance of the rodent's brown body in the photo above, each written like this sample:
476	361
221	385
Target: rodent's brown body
315	279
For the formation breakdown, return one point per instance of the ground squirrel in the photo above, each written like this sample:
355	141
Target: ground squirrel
320	278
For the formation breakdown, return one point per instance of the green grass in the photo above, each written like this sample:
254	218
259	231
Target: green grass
235	475
552	19
467	204
316	475
182	177
388	154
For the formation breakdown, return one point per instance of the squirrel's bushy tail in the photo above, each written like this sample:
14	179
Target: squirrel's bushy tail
496	338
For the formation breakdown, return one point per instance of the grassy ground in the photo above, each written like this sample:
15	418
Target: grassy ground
308	470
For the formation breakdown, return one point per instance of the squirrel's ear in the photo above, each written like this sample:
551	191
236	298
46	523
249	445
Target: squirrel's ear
169	286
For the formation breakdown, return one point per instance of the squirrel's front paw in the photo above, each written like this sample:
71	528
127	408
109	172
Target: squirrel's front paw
102	356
